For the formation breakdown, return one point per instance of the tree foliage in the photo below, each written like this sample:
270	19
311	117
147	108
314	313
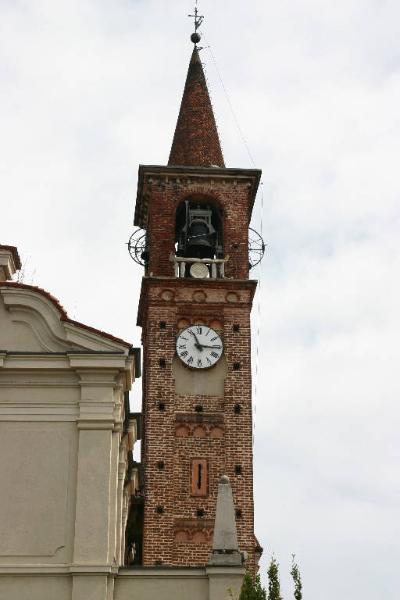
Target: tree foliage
274	586
252	588
298	586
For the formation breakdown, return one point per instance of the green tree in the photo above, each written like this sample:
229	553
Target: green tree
274	586
252	588
298	586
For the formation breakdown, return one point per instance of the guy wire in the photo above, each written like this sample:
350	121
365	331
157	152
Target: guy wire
261	194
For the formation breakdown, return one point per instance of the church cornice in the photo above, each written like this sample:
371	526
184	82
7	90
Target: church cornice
151	174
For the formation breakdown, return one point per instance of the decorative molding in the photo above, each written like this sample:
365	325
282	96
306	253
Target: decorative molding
37	312
199	425
203	417
48	321
232	297
167	295
199	431
193	531
199	296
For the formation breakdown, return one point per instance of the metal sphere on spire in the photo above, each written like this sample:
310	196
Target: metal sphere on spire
195	37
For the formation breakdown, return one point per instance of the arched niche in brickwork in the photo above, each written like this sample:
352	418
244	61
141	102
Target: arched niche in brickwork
182	323
195	382
199	537
181	536
216	324
199	431
182	431
216	432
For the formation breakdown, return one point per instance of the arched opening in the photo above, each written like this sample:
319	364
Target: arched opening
198	229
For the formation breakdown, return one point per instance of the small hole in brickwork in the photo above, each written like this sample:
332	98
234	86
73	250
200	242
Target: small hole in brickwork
237	409
200	512
158	563
236	327
161	406
163	325
238	513
236	366
162	363
198	408
238	469
160	510
160	464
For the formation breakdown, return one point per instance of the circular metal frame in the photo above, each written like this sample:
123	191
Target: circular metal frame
256	248
137	246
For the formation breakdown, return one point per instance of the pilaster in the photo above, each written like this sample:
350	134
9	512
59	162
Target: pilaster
224	583
99	425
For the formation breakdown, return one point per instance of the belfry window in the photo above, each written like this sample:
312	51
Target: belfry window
198	240
198	230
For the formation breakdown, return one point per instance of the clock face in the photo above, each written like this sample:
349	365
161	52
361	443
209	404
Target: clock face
199	346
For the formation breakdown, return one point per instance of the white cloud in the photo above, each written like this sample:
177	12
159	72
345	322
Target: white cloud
91	89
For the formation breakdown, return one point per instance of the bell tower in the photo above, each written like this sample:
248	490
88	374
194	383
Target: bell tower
194	310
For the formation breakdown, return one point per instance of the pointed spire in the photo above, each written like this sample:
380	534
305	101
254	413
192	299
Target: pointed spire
196	141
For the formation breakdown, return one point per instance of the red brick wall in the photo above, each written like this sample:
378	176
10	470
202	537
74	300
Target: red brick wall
180	535
231	195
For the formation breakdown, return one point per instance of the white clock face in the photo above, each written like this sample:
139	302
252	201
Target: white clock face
199	346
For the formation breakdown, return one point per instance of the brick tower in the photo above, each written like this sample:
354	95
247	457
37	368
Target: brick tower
194	309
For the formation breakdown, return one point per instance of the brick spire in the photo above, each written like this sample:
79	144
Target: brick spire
196	142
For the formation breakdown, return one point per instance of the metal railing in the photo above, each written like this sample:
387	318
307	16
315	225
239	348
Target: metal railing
201	268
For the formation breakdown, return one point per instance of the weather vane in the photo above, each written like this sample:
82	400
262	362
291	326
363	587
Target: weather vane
198	19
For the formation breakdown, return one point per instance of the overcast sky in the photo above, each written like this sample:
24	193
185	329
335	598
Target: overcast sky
91	88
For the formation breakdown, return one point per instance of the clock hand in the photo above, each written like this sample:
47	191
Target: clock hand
211	346
197	344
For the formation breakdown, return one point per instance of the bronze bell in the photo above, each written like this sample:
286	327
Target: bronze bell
200	243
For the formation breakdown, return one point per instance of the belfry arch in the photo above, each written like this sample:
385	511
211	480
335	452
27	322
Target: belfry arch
199	228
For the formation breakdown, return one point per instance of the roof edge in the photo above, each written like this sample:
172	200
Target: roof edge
63	313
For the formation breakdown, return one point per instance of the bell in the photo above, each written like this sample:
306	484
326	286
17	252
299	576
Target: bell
199	240
199	234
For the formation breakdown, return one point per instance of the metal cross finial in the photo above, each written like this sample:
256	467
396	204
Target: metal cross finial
198	19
